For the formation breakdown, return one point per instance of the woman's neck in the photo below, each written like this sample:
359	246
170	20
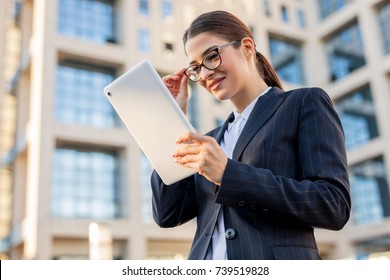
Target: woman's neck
246	96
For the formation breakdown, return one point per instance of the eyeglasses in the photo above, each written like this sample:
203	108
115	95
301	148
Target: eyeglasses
211	60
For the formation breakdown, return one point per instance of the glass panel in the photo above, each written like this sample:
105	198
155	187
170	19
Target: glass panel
301	18
378	248
328	7
143	7
345	52
287	60
284	14
357	114
85	184
267	8
146	204
79	98
144	40
370	192
88	19
167	8
384	23
168	50
219	122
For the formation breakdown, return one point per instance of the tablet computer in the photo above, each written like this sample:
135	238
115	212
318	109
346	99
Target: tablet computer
152	116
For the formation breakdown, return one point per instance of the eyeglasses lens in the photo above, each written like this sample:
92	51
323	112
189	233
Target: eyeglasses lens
211	61
193	73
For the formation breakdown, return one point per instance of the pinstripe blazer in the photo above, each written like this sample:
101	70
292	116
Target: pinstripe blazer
287	176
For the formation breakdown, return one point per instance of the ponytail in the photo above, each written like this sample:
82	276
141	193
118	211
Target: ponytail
267	72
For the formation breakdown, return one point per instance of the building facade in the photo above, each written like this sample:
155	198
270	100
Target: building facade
67	164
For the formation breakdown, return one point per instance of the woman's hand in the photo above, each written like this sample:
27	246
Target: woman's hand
177	84
203	154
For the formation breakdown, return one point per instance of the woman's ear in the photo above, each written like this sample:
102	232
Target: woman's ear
248	46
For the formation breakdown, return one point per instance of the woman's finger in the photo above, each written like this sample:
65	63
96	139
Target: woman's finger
190	136
174	80
187	149
188	160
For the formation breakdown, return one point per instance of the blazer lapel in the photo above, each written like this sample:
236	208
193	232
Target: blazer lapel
221	132
263	110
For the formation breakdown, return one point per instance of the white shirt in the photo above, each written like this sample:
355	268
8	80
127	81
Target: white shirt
217	250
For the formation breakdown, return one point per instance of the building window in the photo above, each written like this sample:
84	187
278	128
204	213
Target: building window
85	184
369	191
267	8
79	98
357	114
328	7
16	9
168	50
168	47
146	204
219	122
384	23
87	19
284	14
345	52
287	60
167	9
144	40
301	18
143	7
374	248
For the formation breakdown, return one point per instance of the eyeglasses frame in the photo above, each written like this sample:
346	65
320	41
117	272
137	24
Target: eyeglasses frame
218	49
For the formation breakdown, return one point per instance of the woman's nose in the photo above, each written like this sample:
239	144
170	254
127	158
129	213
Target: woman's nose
205	73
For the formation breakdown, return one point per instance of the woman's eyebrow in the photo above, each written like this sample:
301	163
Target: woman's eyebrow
205	52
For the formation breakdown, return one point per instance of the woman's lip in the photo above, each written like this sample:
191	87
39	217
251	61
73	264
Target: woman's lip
216	83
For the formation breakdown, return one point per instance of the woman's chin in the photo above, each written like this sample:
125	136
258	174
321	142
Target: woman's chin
220	95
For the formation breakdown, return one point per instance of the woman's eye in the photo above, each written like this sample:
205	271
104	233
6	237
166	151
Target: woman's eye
212	56
195	68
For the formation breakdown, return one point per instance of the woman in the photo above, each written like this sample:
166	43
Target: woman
276	168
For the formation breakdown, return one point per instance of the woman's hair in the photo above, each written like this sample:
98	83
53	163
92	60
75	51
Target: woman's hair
227	26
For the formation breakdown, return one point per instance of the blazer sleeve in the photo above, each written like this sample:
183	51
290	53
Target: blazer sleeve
320	196
174	204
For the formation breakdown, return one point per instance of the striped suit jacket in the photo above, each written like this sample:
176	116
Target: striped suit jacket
287	176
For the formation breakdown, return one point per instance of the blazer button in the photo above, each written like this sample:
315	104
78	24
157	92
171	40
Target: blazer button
265	211
241	203
230	233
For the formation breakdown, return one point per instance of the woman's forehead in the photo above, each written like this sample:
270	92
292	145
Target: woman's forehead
197	45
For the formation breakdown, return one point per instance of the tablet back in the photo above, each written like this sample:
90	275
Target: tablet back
152	116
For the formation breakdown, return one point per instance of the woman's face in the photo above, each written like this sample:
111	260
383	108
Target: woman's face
229	78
